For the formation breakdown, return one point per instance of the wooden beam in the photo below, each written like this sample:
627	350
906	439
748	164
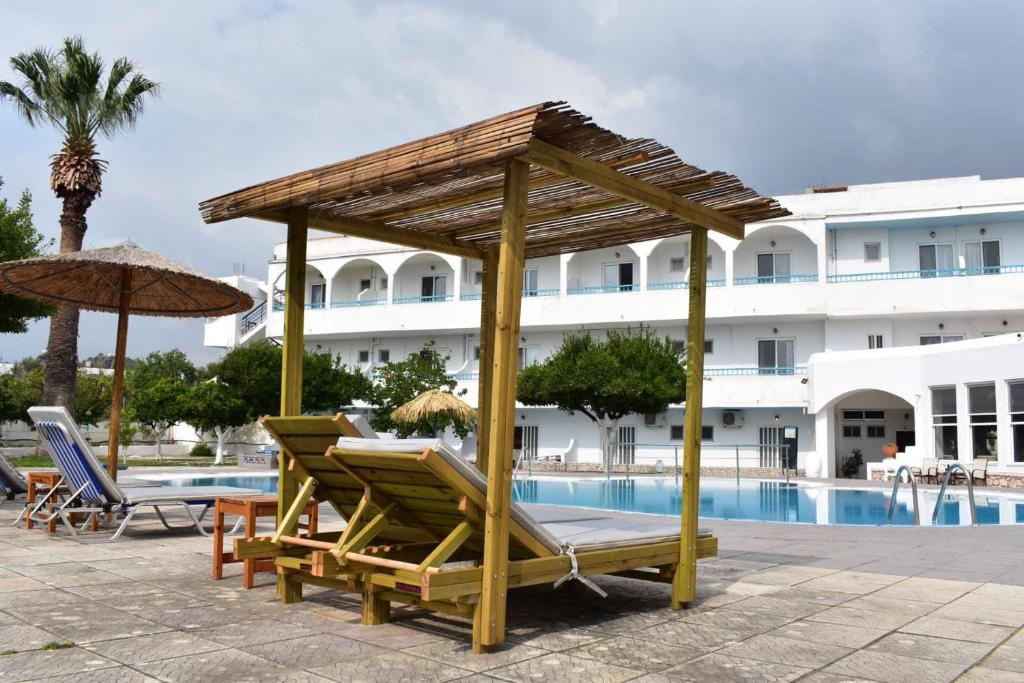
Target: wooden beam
511	259
365	534
581	209
114	435
684	583
291	369
290	522
488	295
378	230
599	175
446	548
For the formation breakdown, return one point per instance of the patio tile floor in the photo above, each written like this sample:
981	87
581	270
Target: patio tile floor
781	603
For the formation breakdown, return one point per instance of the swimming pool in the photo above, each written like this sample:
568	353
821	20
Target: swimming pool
747	500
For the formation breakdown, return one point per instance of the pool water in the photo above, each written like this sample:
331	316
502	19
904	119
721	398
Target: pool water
749	500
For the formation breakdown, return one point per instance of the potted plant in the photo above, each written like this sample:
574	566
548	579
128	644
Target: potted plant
850	465
889	450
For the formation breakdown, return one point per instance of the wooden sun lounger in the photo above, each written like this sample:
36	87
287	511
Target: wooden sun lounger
415	531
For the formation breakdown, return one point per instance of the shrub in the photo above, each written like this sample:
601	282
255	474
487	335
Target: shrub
851	463
201	450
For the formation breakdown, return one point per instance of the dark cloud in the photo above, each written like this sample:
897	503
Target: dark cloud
786	94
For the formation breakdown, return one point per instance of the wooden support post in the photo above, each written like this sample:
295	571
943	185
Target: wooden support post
488	297
684	583
376	607
511	258
290	523
289	589
114	437
448	547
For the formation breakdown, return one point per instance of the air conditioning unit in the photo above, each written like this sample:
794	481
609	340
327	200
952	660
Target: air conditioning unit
654	420
732	419
375	340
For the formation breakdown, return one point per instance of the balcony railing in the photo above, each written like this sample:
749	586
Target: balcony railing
357	303
919	274
751	371
680	284
437	298
775	279
254	318
604	289
475	296
467	376
310	305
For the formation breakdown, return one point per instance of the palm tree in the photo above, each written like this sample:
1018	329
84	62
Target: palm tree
66	89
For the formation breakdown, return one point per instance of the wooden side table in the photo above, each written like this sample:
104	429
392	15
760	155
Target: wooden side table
44	483
250	508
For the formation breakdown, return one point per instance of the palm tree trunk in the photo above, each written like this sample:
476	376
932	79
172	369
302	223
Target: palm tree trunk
62	347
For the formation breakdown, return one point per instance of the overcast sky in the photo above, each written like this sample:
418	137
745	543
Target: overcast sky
784	94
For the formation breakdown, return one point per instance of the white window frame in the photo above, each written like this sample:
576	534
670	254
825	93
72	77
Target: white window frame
672	264
940	421
618	282
359	356
774	277
876	341
320	287
951	245
1016	420
944	337
980	419
980	243
381	353
757	348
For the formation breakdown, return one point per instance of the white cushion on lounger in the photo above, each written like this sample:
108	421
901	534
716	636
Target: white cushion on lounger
150	494
548	514
616	530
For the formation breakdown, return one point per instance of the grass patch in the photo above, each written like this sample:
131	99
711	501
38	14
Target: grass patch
57	646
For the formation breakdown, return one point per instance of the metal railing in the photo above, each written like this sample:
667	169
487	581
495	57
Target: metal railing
913	487
755	370
435	298
604	289
358	303
924	274
548	291
680	284
775	279
970	491
254	318
467	376
310	305
632	458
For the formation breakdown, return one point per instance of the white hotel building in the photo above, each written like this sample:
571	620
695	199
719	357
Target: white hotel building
863	318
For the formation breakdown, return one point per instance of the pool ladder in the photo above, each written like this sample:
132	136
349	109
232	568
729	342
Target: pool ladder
942	491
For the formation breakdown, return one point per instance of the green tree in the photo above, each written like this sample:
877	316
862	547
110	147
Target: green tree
21	389
19	240
73	91
156	388
630	371
253	375
94	395
212	406
395	384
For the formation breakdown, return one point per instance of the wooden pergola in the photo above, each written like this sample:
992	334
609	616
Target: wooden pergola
538	181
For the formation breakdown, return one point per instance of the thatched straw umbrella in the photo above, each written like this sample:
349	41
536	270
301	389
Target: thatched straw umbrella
432	406
123	279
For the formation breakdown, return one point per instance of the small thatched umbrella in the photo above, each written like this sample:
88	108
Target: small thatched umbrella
123	279
432	406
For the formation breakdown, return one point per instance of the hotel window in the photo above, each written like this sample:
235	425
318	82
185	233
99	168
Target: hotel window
707	432
478	277
364	356
617	276
365	284
944	421
476	353
383	356
851	431
675	432
929	339
935	260
984	435
384	283
775	356
874	341
530	282
872	251
679	345
773	267
528	355
982	257
677	264
1017	419
317	294
433	287
876	431
709	346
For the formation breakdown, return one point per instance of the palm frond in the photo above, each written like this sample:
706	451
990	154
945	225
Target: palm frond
23	104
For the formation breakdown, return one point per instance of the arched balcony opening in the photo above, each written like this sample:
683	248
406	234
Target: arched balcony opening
776	254
362	282
424	278
865	421
602	271
668	266
315	297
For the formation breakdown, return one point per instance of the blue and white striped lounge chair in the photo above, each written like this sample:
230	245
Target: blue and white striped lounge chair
11	481
92	490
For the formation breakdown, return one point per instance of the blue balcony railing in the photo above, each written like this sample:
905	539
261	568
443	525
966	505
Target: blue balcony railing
604	289
742	371
924	274
776	279
423	299
310	305
358	303
679	284
466	376
475	296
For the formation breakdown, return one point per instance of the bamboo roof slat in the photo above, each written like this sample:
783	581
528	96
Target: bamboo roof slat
445	190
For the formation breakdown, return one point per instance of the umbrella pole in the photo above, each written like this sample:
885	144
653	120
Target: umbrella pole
114	440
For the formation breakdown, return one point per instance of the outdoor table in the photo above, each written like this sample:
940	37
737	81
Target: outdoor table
50	485
250	508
